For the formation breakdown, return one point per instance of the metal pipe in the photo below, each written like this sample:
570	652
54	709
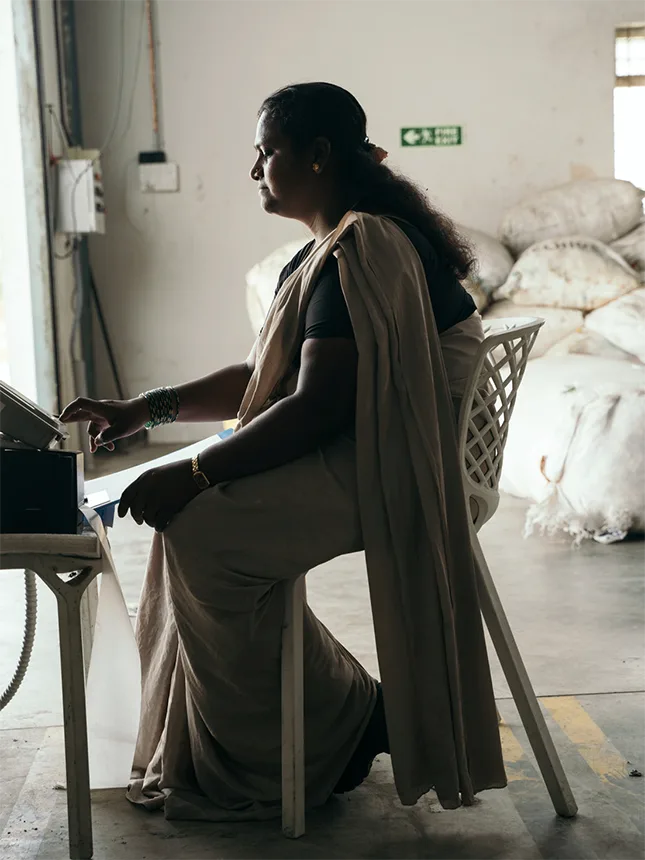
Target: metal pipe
154	83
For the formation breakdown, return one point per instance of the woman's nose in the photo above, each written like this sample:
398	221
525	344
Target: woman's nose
256	172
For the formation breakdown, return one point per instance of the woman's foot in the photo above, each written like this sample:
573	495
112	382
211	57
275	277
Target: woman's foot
373	742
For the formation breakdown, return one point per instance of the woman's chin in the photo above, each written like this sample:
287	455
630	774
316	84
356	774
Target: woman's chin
268	203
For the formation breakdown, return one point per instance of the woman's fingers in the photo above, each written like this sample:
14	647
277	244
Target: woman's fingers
85	409
110	433
93	430
128	496
139	500
164	518
151	514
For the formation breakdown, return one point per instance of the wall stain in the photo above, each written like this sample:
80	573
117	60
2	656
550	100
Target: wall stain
581	171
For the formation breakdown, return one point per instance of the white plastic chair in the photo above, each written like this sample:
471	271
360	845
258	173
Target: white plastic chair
484	418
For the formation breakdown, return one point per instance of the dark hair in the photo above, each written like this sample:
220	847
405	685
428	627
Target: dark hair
310	110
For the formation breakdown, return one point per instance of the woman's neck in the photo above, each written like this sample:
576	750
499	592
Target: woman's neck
326	219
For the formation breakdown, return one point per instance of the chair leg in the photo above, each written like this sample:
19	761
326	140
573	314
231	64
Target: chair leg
293	740
522	690
79	809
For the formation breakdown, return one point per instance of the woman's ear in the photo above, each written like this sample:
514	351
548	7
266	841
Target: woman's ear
321	153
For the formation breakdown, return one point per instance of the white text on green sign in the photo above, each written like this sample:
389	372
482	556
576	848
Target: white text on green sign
434	135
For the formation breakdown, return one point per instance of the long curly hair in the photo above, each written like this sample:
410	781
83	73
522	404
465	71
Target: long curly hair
310	110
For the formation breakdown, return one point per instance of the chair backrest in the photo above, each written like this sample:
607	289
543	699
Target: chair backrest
487	407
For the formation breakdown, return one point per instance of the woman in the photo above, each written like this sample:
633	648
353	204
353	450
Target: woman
345	441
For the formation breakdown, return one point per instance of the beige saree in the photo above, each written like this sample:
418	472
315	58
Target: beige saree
209	625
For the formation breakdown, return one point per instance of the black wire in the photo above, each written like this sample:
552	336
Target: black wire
61	128
106	337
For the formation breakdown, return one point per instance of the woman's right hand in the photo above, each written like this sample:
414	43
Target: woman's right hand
108	419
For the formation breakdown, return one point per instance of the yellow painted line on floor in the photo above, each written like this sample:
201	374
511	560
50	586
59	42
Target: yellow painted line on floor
592	744
514	758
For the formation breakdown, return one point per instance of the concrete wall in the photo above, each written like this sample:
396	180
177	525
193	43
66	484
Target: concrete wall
529	80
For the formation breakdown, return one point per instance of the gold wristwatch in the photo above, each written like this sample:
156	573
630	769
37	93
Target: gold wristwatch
198	476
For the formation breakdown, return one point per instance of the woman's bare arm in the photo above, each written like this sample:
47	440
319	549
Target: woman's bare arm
322	406
215	397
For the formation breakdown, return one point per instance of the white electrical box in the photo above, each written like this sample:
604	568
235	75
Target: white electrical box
81	201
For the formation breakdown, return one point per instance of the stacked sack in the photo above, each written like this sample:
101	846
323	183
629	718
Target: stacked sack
576	443
574	256
493	264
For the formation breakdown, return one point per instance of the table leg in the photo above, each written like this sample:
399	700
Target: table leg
79	809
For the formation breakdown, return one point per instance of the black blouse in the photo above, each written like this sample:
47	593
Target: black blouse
327	314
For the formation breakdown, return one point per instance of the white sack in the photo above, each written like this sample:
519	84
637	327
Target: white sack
262	281
604	209
478	294
622	322
576	446
559	323
494	261
573	272
632	249
589	343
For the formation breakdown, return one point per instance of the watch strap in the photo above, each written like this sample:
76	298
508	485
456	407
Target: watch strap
198	476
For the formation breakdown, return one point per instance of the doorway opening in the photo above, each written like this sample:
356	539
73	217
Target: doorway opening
629	105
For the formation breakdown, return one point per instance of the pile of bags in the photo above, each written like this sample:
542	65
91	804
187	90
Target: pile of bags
576	444
574	256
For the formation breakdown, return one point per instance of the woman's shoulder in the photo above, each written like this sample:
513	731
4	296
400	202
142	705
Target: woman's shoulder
422	244
294	262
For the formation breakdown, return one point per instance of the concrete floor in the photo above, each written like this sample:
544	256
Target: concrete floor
578	616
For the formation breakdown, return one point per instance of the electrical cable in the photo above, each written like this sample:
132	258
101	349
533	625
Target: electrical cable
31	607
77	299
115	121
71	244
106	338
119	100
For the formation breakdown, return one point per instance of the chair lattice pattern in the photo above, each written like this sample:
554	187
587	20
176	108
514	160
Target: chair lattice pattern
502	368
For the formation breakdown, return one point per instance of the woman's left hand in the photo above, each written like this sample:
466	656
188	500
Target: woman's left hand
158	495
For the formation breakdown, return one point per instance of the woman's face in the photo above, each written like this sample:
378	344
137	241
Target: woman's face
286	181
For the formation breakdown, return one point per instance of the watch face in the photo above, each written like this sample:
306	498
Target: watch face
201	480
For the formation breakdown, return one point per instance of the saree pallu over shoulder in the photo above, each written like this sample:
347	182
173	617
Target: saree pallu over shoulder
438	694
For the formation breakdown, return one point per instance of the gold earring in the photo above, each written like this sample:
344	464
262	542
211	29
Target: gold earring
316	167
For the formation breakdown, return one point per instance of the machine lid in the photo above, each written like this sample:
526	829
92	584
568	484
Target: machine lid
10	423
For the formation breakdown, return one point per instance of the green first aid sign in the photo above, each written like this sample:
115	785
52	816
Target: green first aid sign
433	135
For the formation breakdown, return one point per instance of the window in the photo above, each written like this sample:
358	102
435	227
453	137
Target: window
629	105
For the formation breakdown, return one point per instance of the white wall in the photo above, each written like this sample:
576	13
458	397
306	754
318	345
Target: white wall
529	80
